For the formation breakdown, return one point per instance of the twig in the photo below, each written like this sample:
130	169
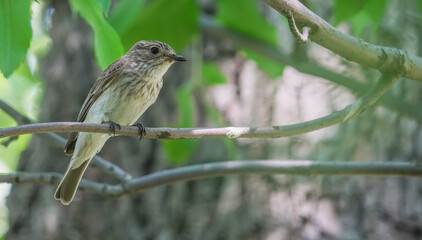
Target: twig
385	59
348	112
9	141
218	169
59	142
300	36
309	67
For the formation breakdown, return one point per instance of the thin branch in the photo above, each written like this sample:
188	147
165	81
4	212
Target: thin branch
308	67
218	169
348	112
19	118
300	36
9	141
385	59
45	178
59	142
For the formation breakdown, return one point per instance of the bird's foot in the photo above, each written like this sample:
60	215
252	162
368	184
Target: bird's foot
141	130
112	127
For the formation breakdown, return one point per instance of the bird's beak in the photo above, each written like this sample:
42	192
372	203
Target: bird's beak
176	57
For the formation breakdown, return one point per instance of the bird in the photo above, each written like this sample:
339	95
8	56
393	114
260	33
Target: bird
119	96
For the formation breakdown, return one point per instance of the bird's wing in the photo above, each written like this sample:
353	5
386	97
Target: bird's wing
101	84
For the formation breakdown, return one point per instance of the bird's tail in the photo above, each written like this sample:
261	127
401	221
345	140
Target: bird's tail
70	182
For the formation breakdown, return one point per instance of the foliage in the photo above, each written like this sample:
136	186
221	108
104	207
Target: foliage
212	74
15	32
420	5
107	44
179	151
361	13
124	14
173	22
105	6
27	101
245	19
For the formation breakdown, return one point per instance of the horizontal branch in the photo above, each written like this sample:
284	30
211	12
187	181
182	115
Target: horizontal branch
212	170
59	142
348	112
385	59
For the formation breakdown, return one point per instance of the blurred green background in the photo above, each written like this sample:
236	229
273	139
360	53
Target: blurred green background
244	69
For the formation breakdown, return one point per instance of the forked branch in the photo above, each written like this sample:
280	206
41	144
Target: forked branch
385	59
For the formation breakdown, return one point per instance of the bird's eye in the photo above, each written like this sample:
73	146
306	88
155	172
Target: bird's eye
154	50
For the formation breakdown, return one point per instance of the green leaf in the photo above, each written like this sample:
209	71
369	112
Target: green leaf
124	13
352	9
360	22
420	6
369	18
273	68
105	6
243	16
15	33
212	74
107	44
170	21
375	9
345	9
178	152
28	100
185	105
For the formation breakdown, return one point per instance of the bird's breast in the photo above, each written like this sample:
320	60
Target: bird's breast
126	100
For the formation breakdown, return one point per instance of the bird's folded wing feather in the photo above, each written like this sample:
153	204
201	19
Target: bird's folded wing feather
107	78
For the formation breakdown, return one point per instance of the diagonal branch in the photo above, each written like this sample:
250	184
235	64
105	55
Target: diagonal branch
59	142
219	169
385	59
348	112
308	67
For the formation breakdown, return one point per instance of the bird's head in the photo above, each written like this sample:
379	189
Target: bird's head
153	58
154	52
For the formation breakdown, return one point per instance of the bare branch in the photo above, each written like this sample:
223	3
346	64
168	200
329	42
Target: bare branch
272	167
385	59
212	170
348	112
19	118
59	142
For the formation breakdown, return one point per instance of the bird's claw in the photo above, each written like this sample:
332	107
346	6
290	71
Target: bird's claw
141	130
112	127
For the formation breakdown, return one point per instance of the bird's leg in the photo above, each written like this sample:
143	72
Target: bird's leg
112	126
141	130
